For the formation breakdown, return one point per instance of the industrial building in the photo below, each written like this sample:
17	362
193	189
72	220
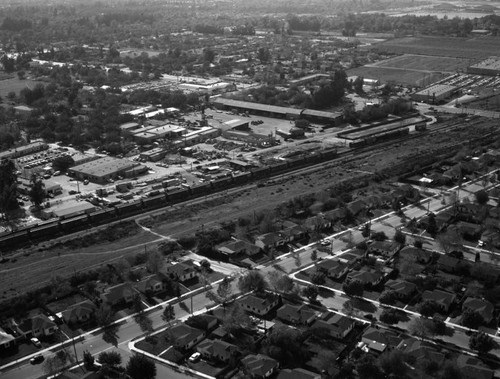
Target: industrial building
106	168
435	93
129	126
490	67
153	133
197	136
69	209
154	155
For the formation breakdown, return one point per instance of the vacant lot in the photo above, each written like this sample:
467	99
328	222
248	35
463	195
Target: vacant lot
473	49
424	63
397	75
15	85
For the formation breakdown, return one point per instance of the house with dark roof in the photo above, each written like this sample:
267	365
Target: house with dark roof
379	340
296	314
217	350
6	340
473	368
259	305
443	299
448	263
269	240
120	293
79	313
335	215
297	373
469	230
181	271
259	365
150	285
415	254
352	257
366	276
356	207
385	248
338	326
333	268
404	290
37	326
483	307
184	336
316	223
237	247
420	350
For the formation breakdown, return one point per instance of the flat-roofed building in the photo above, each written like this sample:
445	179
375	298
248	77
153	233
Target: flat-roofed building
490	66
154	132
21	151
434	93
105	168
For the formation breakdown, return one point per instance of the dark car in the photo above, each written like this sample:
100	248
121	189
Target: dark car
37	359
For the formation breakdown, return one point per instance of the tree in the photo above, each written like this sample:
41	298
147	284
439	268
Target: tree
235	318
8	186
154	262
37	192
353	288
104	315
399	237
88	360
472	319
55	364
367	367
314	256
168	313
141	367
318	278
432	225
110	358
263	55
428	308
311	292
389	316
419	328
451	371
482	343
62	163
388	297
482	197
393	363
253	281
379	236
280	282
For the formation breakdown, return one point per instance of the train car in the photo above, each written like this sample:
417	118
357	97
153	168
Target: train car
177	195
154	201
278	167
296	162
242	178
127	209
202	189
102	216
45	229
74	223
11	240
260	172
222	183
329	154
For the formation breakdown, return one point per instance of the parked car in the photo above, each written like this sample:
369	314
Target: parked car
36	359
86	181
35	341
195	357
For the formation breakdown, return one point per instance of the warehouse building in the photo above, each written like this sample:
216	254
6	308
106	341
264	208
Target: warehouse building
153	133
67	210
435	93
490	67
21	151
256	108
106	168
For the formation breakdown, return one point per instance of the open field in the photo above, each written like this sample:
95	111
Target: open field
62	260
397	75
424	63
472	49
15	85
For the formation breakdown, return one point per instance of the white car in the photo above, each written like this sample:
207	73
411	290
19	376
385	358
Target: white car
36	342
195	357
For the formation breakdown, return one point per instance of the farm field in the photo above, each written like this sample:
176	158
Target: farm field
424	63
473	49
15	85
397	75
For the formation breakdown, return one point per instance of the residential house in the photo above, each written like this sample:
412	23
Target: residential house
217	350
316	223
491	237
184	336
385	248
337	325
442	298
356	207
293	233
269	240
404	290
204	322
6	340
79	313
473	368
335	215
379	340
181	271
366	276
421	351
118	294
150	285
37	326
415	254
296	314
469	230
298	373
259	365
236	247
259	305
485	272
333	268
353	257
483	307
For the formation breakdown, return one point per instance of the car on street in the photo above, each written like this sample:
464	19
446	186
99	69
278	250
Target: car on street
36	359
195	357
35	341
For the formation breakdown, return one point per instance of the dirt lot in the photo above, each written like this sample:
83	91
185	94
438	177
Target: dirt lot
185	220
472	49
16	85
397	75
424	63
